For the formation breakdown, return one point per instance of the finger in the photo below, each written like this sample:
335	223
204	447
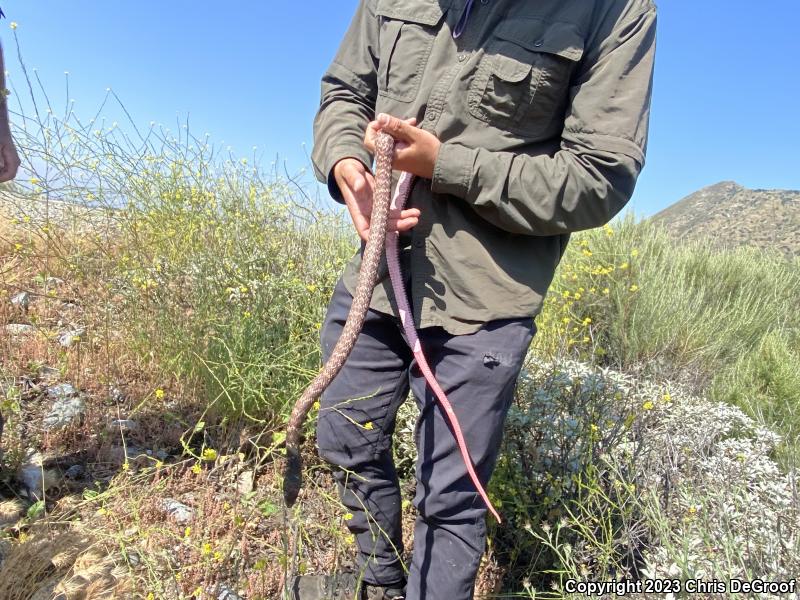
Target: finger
397	128
370	135
405	213
403	224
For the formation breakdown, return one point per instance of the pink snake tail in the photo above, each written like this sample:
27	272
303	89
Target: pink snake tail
393	261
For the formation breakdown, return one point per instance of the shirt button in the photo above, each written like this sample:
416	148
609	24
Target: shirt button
462	57
419	243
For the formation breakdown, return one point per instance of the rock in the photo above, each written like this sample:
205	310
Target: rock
124	425
116	395
5	548
226	593
132	454
62	391
68	338
22	300
34	477
54	281
19	329
178	512
47	591
245	482
134	560
75	472
162	455
48	373
63	412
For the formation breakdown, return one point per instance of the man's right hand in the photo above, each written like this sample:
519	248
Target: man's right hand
357	186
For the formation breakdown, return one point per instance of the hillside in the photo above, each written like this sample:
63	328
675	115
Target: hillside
733	215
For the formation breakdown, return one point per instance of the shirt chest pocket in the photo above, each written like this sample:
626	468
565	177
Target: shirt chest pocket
407	31
521	84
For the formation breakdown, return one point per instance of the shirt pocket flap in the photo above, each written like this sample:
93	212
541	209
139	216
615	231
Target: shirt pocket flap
424	12
511	68
537	35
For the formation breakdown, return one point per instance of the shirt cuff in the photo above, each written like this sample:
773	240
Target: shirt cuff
337	154
452	172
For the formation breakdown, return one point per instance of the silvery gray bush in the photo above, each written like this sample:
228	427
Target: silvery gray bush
604	474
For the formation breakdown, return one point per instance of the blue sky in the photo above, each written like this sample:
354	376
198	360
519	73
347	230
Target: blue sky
725	106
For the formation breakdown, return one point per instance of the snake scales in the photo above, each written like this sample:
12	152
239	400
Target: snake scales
367	277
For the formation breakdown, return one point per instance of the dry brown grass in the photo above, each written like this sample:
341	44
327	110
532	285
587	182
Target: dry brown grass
67	563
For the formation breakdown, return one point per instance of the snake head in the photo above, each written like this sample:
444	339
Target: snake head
293	476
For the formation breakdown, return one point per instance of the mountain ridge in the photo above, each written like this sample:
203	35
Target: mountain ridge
732	215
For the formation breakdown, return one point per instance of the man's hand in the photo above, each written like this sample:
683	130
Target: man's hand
9	160
416	149
357	186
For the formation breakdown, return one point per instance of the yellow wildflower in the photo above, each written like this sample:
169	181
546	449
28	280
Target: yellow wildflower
197	469
634	288
159	394
648	405
209	454
13	25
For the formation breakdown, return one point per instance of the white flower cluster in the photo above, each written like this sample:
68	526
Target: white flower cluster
712	502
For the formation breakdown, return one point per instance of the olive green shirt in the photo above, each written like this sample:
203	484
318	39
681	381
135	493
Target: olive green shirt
542	109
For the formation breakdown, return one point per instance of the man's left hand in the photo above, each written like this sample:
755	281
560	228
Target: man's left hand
416	149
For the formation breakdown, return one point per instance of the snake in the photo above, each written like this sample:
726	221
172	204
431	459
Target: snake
379	239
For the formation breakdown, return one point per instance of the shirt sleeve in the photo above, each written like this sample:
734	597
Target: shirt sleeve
592	174
348	96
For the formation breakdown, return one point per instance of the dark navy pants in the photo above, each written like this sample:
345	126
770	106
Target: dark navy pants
478	372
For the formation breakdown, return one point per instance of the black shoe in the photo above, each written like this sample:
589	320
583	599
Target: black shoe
376	592
342	586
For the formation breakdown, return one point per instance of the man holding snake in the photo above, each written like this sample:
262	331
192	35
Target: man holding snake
523	121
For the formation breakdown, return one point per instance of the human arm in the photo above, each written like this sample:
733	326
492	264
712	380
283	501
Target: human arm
592	175
9	160
348	96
